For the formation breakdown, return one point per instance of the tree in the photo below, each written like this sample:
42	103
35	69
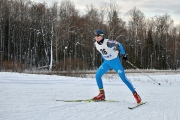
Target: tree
135	19
115	23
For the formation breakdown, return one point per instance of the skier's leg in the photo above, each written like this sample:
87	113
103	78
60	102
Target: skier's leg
100	72
117	66
120	70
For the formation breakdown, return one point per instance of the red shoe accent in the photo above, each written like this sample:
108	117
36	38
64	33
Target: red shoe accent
137	97
100	97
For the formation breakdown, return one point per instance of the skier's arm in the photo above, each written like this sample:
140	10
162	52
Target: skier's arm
113	43
117	46
122	51
123	54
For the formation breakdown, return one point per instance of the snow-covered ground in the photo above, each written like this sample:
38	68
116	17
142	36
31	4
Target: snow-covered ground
32	97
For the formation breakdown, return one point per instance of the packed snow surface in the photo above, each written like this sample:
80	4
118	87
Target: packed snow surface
33	97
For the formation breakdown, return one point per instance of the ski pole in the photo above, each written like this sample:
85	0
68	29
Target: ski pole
142	72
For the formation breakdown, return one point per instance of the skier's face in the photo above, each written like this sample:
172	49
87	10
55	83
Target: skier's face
98	38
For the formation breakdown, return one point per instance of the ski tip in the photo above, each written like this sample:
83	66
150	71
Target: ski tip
137	105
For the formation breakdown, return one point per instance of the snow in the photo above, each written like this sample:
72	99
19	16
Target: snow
32	97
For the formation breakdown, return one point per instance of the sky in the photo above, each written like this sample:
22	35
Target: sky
33	97
150	8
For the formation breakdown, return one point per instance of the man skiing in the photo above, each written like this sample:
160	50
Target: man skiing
109	50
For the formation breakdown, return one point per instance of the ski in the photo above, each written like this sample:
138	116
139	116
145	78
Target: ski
88	100
139	104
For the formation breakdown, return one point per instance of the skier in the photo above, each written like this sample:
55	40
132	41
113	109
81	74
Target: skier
109	51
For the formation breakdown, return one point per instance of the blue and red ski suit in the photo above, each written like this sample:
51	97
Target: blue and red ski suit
108	50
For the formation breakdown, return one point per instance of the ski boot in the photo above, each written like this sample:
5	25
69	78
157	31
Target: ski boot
137	97
100	97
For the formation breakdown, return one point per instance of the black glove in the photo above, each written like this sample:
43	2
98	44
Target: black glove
124	57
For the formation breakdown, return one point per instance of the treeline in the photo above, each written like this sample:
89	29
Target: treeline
59	37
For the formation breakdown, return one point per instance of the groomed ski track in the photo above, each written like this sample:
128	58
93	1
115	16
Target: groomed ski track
32	97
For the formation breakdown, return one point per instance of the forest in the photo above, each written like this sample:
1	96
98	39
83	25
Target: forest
35	36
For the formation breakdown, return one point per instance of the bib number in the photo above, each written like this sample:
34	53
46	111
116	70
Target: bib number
103	51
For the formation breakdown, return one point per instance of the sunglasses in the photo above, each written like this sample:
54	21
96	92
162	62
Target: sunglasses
97	35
